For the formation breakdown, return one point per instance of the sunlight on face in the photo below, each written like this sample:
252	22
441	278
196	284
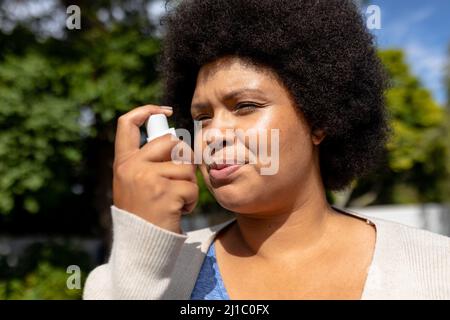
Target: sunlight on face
231	95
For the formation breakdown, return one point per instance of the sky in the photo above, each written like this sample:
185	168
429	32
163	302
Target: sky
422	30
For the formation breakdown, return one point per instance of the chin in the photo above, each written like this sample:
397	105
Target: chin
238	200
229	193
240	195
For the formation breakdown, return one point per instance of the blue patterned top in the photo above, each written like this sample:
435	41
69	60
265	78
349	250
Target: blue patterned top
209	284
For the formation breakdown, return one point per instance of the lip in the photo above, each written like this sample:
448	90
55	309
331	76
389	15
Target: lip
223	171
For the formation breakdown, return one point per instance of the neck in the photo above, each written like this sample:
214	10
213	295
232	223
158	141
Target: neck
298	229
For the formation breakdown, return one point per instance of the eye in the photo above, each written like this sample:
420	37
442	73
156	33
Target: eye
246	107
202	117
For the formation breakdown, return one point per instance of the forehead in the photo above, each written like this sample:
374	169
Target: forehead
231	74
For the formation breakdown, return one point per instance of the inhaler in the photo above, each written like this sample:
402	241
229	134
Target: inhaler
157	126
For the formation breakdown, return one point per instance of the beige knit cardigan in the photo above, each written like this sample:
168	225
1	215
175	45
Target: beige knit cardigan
148	262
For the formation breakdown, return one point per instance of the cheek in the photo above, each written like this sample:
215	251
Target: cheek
295	143
295	147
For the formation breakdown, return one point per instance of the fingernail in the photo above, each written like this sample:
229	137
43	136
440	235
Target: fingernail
166	107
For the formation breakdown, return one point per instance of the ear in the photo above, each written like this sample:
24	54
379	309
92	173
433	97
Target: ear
317	136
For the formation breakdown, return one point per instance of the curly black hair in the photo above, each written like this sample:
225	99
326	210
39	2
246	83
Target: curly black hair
320	49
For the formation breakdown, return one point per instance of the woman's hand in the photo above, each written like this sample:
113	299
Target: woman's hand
145	180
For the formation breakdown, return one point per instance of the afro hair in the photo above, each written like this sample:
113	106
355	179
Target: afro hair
320	49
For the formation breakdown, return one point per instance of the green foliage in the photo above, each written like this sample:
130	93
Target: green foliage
416	117
47	85
41	272
42	97
46	282
39	128
416	165
117	74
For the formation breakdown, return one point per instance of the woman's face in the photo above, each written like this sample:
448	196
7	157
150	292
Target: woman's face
260	103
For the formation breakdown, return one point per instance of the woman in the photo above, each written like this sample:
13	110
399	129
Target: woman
308	69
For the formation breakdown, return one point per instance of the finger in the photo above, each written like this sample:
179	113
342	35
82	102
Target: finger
187	192
167	148
128	133
174	171
188	208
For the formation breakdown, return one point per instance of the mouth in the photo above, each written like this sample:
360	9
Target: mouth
228	163
219	172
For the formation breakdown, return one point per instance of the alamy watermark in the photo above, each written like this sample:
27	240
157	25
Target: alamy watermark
73	21
73	281
373	17
234	146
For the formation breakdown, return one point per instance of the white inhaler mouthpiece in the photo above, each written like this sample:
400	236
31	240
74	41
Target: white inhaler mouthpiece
157	126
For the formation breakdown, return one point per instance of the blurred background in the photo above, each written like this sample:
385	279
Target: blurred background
62	89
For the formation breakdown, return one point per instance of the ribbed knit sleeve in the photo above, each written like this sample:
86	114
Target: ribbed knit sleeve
141	262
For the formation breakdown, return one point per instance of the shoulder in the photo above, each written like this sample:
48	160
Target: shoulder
408	263
208	233
401	236
410	242
416	242
418	261
425	252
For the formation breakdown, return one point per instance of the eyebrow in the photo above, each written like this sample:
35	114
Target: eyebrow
238	92
228	96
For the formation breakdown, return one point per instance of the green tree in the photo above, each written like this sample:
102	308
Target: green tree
415	168
60	97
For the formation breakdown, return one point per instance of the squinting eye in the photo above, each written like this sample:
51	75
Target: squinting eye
245	107
202	118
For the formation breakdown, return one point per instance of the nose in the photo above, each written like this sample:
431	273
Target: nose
221	131
222	127
217	139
